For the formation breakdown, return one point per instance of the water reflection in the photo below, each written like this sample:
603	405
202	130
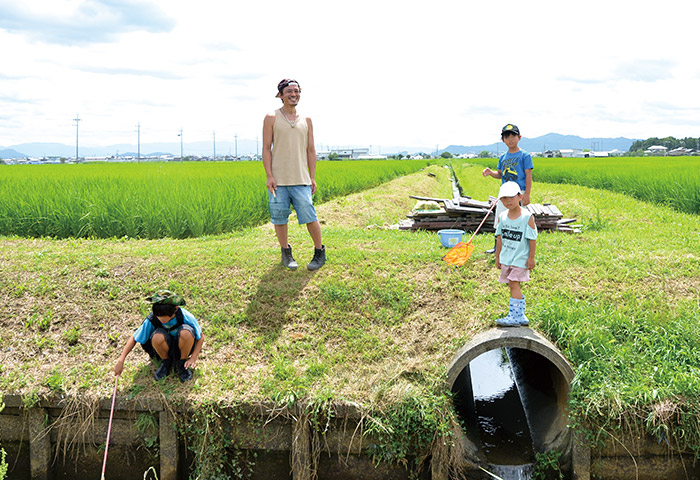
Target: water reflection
498	411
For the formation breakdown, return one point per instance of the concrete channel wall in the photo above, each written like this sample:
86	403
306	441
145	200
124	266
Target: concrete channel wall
281	447
34	450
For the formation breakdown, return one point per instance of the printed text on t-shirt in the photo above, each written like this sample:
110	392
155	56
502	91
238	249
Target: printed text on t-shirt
514	235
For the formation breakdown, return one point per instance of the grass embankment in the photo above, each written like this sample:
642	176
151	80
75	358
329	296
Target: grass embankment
379	323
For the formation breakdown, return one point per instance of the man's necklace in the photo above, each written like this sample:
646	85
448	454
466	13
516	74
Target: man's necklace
290	122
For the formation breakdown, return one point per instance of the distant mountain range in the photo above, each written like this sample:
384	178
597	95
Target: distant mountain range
10	153
551	141
38	150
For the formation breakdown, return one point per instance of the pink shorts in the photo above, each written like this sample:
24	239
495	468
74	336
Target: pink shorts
510	273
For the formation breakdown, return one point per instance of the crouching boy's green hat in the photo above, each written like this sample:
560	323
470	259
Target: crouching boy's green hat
166	297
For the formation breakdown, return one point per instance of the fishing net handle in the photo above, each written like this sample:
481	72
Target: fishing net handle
482	222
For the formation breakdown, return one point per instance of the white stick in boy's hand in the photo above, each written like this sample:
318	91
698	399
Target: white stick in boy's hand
273	193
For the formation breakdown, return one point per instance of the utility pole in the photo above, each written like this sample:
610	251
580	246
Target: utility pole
180	135
256	146
76	120
138	129
236	145
214	145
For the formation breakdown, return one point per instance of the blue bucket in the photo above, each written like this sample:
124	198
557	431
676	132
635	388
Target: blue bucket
450	237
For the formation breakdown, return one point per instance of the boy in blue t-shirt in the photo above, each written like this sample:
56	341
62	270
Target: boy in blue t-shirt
169	333
516	239
514	166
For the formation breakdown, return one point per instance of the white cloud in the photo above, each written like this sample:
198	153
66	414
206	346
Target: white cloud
72	22
380	73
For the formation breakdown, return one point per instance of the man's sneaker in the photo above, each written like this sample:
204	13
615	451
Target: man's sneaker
319	258
164	369
182	372
287	259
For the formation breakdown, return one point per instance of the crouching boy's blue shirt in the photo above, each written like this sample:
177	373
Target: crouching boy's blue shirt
144	332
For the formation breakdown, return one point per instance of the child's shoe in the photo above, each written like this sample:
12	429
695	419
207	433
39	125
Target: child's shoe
509	320
182	372
164	369
492	250
520	312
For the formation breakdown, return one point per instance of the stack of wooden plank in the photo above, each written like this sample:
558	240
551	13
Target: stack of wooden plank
466	214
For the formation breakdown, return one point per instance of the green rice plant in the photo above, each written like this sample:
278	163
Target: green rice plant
670	181
156	200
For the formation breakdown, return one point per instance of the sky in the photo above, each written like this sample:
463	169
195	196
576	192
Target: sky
378	73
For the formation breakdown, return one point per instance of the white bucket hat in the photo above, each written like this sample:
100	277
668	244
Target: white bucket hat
509	189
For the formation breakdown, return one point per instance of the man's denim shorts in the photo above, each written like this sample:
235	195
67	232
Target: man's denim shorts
298	196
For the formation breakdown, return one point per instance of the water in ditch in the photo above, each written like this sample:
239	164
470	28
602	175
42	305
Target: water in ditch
495	417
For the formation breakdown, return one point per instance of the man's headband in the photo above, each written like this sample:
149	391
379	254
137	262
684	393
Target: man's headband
284	84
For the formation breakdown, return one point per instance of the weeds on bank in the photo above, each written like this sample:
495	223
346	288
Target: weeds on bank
212	432
547	466
407	429
148	427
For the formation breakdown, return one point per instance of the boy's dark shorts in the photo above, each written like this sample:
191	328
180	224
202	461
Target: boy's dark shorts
171	340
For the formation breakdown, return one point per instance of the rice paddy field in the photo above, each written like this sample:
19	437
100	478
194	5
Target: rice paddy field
157	200
671	181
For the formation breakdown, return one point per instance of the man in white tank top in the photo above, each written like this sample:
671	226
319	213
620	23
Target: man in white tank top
289	158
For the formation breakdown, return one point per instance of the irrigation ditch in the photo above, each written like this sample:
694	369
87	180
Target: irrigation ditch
502	431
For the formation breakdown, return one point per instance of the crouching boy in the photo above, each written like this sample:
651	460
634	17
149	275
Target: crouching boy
169	333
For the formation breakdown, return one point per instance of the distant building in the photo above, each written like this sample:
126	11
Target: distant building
680	151
348	153
571	152
656	150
